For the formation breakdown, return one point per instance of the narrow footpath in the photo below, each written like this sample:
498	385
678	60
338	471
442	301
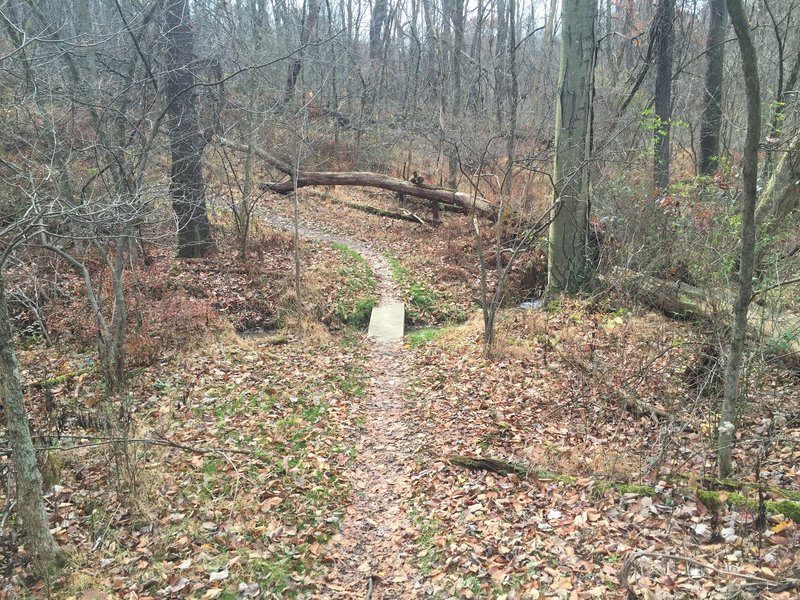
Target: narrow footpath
372	558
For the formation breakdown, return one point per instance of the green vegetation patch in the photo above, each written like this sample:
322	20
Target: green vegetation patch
420	337
356	300
424	305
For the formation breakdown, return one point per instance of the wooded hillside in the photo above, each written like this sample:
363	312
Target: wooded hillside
399	299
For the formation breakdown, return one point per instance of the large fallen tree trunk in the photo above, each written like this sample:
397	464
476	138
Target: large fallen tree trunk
362	179
780	330
367	179
782	192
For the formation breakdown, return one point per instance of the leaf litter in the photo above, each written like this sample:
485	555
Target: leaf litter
321	464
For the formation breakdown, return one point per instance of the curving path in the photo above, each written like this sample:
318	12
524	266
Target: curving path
372	558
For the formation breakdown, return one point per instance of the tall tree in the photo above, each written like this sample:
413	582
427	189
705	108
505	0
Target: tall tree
712	108
30	504
187	143
568	263
512	90
544	52
307	33
665	15
782	86
727	421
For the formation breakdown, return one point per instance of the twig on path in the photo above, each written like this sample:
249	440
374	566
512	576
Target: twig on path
771	584
370	587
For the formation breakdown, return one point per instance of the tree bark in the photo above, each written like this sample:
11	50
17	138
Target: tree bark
663	94
568	263
513	99
30	505
187	186
501	72
727	426
544	52
712	109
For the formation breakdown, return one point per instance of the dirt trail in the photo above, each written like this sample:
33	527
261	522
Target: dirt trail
373	555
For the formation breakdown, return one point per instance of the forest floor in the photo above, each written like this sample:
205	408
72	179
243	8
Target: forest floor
309	461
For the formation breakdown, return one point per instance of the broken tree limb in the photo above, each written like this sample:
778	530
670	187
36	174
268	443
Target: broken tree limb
772	585
479	463
633	405
790	509
779	330
362	179
372	210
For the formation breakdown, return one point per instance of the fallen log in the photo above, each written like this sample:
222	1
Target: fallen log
494	465
51	382
372	210
384	182
779	330
443	206
711	499
361	179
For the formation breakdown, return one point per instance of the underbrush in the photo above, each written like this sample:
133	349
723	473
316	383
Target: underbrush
258	427
607	478
424	305
239	462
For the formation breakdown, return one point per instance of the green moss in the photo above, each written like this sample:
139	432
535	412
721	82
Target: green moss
59	379
709	499
790	510
787	508
635	488
424	336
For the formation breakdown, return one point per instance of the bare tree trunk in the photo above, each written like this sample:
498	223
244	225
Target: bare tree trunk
379	12
307	33
296	244
663	94
30	505
476	99
512	91
245	209
544	52
186	179
500	72
727	424
457	105
712	109
568	264
777	113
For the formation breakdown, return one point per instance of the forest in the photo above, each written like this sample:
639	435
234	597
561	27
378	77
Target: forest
388	299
